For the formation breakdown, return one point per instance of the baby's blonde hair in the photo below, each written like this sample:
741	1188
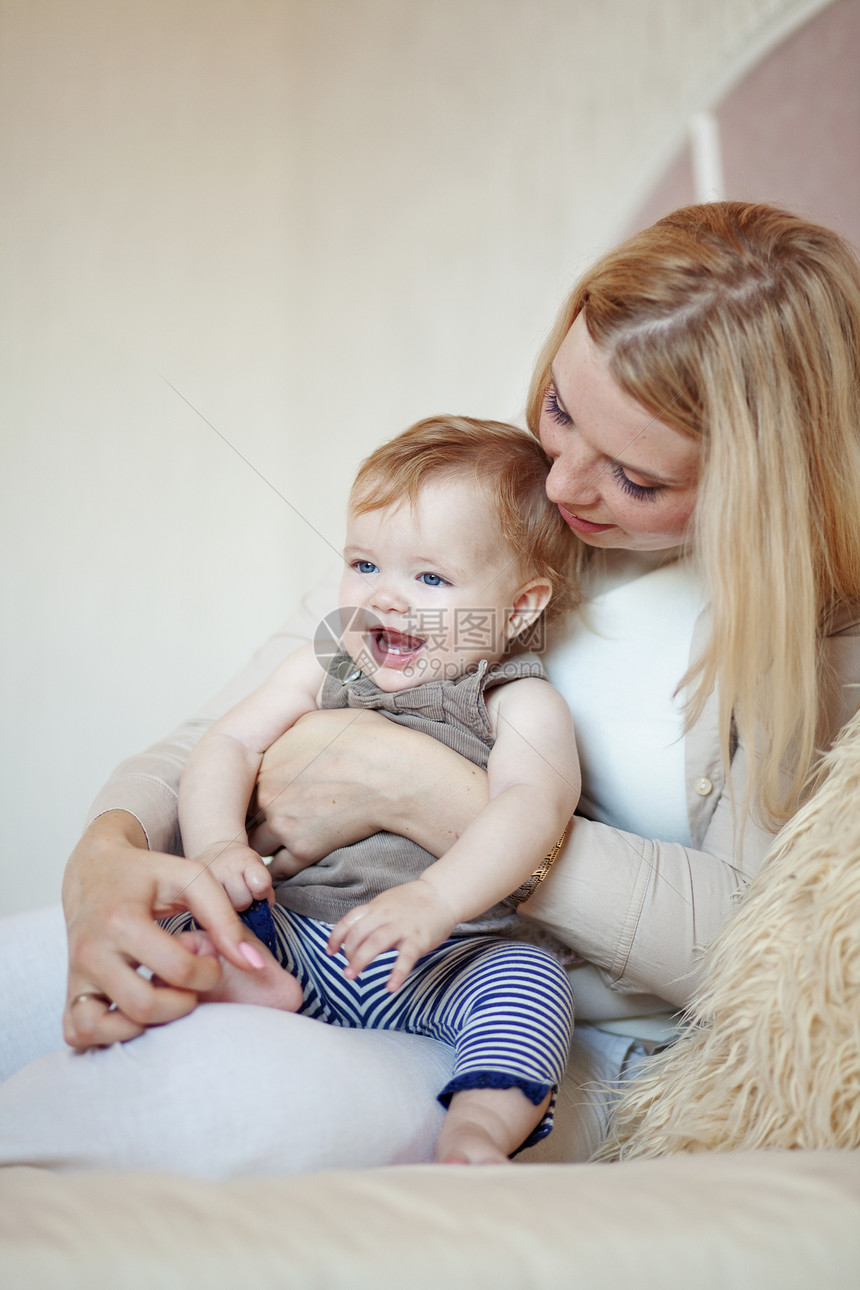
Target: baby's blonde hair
506	464
739	325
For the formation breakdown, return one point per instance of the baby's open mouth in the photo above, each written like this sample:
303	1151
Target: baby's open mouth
394	647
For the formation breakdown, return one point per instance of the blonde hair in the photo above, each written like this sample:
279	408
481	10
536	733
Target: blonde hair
739	325
507	465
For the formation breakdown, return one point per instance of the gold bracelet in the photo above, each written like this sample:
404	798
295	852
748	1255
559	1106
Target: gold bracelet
531	884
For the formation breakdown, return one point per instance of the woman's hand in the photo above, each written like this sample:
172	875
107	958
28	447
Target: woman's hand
337	777
113	891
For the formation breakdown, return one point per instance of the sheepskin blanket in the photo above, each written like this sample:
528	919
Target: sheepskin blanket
771	1057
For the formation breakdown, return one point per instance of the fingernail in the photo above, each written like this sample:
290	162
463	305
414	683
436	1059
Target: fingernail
251	955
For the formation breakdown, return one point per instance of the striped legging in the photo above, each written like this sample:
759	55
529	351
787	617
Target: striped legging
505	1007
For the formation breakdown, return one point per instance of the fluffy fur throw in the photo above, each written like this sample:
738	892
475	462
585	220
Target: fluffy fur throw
772	1054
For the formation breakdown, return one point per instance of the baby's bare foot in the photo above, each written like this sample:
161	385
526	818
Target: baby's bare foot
469	1144
270	986
484	1125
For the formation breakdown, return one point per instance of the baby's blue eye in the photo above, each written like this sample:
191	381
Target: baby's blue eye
432	580
365	566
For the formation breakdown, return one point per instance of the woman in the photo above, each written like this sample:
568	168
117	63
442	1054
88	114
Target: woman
699	398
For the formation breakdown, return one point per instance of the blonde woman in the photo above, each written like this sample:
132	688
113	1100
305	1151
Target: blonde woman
699	401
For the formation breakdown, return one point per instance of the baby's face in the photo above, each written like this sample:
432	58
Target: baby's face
427	589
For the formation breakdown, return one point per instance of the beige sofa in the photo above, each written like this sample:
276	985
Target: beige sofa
739	1147
733	1221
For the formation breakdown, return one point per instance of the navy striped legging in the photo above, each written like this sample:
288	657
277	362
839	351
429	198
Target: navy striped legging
505	1007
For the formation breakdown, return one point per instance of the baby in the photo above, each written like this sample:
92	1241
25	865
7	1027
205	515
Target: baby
452	553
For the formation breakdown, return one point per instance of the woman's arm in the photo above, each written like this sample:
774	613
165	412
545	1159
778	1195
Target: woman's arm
644	911
641	910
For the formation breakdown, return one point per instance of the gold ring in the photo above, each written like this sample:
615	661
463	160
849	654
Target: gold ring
91	994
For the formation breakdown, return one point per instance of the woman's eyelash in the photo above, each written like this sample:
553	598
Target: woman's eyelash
627	485
638	491
554	408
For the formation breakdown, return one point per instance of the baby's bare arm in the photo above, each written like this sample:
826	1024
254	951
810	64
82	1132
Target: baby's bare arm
220	773
534	785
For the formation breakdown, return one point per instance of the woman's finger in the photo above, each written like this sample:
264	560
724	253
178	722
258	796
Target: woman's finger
283	864
267	843
170	958
113	1001
90	1019
110	964
204	897
122	1005
324	756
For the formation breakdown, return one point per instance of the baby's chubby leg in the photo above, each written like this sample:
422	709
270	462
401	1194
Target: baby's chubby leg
484	1126
270	986
507	1010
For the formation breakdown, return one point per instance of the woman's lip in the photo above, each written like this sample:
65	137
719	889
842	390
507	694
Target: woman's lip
580	525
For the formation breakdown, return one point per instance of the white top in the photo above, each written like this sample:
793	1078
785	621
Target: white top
618	664
618	667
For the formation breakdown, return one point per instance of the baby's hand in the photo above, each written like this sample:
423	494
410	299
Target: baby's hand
413	918
240	871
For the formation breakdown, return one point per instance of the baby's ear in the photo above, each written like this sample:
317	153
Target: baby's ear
529	603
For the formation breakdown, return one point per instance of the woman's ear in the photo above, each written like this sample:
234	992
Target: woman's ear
529	603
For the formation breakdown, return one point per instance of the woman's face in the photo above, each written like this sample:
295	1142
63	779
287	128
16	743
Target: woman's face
619	477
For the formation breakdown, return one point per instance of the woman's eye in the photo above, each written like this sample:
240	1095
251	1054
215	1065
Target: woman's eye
432	580
639	491
554	408
365	566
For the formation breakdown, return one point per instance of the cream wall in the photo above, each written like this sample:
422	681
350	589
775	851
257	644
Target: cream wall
317	220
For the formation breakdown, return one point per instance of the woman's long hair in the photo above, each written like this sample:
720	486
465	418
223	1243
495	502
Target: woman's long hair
739	325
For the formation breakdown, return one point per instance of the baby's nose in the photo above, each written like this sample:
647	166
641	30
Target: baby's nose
388	597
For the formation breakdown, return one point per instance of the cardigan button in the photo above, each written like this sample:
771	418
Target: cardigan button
703	786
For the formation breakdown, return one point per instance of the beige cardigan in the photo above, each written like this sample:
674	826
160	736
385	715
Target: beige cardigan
642	911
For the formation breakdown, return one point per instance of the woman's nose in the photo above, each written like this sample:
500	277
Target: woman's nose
573	478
